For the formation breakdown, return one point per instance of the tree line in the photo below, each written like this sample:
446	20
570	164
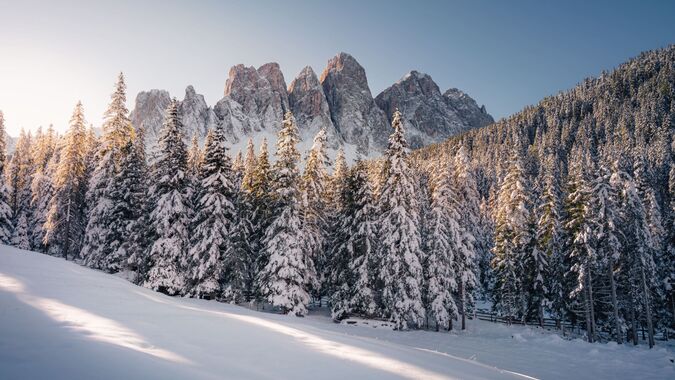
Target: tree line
564	210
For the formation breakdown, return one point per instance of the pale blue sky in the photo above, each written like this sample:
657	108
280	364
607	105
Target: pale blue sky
506	54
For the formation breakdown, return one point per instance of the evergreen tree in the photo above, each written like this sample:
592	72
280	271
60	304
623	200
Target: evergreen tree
289	272
443	248
107	220
66	221
313	193
548	241
170	215
46	158
467	207
606	234
512	240
19	174
211	259
138	244
6	226
400	246
352	274
579	229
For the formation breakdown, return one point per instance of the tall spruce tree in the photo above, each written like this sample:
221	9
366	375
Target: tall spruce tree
467	206
442	248
105	233
212	263
289	272
512	240
66	218
400	246
313	194
6	226
170	215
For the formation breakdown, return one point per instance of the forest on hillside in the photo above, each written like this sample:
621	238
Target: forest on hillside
564	210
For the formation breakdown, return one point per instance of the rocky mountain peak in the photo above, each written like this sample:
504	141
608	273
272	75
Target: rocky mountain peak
149	109
308	104
428	115
352	108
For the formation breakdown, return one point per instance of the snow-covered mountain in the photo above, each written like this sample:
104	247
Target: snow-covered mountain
255	100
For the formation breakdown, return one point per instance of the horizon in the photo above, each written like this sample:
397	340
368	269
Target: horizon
54	55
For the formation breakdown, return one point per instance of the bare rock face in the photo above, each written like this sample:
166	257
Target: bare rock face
261	94
310	108
428	115
352	108
340	102
148	113
467	108
197	117
150	108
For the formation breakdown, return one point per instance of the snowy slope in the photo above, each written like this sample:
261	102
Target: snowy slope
59	320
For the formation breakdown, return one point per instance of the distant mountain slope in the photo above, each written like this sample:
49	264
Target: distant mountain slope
627	113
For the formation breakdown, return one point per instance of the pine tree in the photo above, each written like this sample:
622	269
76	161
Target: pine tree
46	158
212	263
6	226
512	240
467	207
580	247
443	246
65	222
19	173
313	193
289	272
106	218
549	239
353	242
170	215
606	234
138	244
400	246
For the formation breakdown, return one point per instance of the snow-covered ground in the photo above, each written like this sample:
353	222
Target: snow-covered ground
62	321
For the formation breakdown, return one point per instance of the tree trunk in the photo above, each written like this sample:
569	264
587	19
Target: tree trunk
463	306
615	306
633	322
648	309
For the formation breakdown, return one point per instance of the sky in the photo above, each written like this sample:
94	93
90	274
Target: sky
505	54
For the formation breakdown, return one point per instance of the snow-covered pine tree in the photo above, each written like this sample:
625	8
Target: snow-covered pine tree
353	240
212	262
261	199
642	274
170	215
443	245
605	230
314	204
138	243
100	239
6	226
19	173
579	232
512	240
46	160
467	206
289	273
399	248
548	239
64	227
126	193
